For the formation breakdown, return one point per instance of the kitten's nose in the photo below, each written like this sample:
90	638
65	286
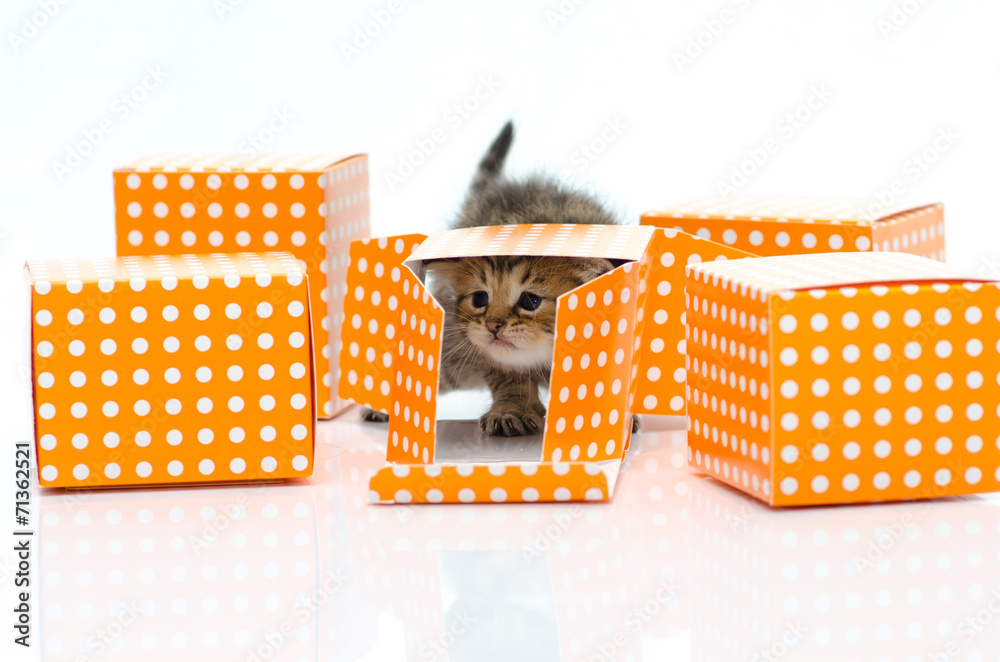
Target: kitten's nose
494	326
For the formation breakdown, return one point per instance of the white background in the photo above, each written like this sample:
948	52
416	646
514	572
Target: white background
890	90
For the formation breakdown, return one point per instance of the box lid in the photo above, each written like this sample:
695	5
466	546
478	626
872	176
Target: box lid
550	239
154	267
791	208
234	163
826	270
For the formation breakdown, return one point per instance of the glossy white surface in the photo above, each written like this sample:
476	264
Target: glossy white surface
676	566
900	84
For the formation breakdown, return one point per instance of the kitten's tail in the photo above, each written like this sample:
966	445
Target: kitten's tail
492	164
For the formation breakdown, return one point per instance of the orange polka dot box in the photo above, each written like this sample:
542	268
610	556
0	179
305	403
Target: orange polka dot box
172	369
843	377
619	350
790	225
311	206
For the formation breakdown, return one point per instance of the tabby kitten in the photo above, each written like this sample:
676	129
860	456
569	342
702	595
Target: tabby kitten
500	311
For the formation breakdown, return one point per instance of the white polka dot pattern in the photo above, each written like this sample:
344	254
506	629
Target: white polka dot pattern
172	369
879	582
806	387
372	318
768	275
788	225
158	575
493	483
660	356
554	239
753	207
310	206
169	163
416	364
588	415
392	335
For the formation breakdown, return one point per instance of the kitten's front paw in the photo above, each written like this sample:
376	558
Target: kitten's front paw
373	416
510	423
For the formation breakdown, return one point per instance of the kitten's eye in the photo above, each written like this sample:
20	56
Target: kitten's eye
529	301
480	299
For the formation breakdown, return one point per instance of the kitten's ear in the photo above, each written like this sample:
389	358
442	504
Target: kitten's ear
591	268
444	271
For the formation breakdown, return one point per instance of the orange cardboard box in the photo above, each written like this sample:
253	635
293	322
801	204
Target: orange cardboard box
310	206
619	350
789	225
171	369
837	378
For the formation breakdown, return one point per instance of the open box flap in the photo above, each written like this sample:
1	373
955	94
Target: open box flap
417	365
769	275
803	209
495	482
371	319
376	276
588	415
660	378
612	242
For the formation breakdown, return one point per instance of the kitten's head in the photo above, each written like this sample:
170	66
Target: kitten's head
506	306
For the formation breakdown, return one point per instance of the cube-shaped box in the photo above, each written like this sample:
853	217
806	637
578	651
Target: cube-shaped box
790	225
310	206
619	350
171	369
820	379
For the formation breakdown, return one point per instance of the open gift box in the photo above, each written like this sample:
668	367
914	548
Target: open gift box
619	350
788	225
838	378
